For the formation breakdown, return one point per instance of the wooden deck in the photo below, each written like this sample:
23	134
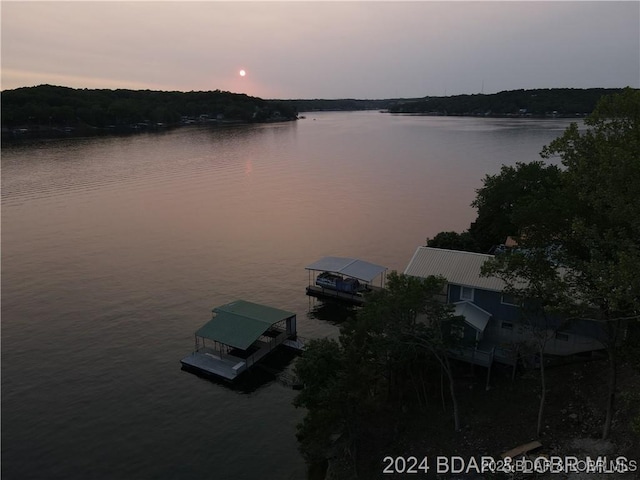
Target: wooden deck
471	355
485	355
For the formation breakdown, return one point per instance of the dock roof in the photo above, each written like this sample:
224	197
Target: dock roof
351	267
240	323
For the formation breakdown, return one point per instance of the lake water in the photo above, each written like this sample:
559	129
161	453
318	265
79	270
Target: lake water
115	249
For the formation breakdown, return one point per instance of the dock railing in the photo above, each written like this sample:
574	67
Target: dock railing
267	347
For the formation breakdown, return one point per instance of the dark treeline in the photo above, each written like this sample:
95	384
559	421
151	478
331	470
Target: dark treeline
539	102
346	104
48	107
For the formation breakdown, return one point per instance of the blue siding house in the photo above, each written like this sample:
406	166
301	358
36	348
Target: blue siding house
494	327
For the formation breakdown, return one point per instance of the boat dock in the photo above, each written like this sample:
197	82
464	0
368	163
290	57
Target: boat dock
345	279
327	293
239	335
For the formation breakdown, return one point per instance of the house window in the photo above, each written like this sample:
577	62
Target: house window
507	325
509	300
562	336
466	293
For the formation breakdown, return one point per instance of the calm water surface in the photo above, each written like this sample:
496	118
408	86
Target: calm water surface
115	249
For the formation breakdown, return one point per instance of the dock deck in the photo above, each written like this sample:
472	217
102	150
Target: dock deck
230	366
354	298
320	292
209	361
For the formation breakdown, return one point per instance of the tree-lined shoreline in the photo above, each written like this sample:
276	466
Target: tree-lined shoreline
48	110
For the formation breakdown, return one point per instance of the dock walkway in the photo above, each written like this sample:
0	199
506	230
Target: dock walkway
210	361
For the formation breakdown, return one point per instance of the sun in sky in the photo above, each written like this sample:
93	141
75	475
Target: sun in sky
242	73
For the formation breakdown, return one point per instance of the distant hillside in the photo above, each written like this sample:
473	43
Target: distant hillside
54	110
48	108
345	104
539	102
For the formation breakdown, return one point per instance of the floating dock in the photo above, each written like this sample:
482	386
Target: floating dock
327	293
239	334
364	272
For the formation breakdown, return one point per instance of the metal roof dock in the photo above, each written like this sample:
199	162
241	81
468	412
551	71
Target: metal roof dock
239	334
353	268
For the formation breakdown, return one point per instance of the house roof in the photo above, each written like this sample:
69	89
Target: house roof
240	323
457	267
351	267
473	314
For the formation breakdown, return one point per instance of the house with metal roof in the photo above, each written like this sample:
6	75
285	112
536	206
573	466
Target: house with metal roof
238	335
494	326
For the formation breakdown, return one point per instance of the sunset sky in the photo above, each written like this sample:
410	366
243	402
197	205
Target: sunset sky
357	49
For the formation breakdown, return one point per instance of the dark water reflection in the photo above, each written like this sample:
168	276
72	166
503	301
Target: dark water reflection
331	311
115	249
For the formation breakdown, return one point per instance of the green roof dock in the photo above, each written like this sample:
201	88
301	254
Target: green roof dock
238	335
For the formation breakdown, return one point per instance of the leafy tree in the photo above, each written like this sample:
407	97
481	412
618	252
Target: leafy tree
319	369
508	203
588	227
377	365
453	241
525	199
541	298
601	244
413	319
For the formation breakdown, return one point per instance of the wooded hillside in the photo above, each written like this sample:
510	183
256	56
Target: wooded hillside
539	102
50	107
